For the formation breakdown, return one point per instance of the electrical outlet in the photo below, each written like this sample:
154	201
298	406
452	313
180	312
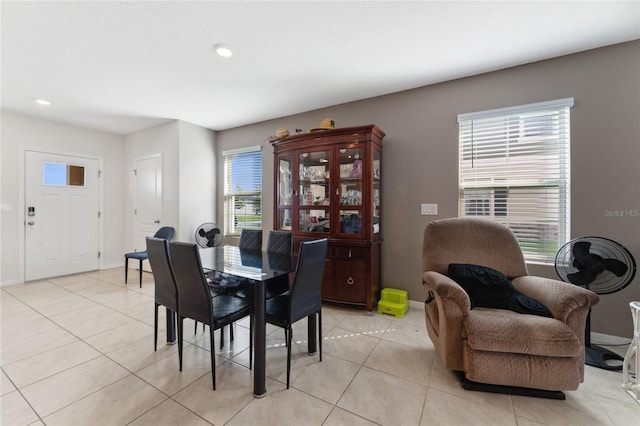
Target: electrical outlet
429	209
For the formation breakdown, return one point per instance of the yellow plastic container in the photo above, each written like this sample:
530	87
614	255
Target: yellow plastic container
394	302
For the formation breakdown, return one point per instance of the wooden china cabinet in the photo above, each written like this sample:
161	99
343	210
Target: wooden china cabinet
327	184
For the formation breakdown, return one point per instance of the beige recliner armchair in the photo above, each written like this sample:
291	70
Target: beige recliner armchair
500	350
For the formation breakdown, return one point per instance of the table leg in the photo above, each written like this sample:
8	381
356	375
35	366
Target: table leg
311	334
259	341
171	327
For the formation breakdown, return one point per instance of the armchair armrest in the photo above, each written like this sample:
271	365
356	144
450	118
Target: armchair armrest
567	302
561	298
445	314
444	287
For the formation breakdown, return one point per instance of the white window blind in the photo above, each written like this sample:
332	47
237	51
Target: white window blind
514	168
242	189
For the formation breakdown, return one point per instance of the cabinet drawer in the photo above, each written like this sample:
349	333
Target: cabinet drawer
346	268
351	288
350	252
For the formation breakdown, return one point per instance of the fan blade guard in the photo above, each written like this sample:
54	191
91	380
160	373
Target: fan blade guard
596	263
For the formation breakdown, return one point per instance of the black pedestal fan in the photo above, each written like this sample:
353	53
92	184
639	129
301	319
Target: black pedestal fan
602	266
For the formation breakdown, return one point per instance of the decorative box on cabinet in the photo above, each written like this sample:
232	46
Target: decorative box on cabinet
328	184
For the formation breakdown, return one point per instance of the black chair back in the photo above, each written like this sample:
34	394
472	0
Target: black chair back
165	283
166	233
306	292
198	303
280	261
280	242
251	239
195	300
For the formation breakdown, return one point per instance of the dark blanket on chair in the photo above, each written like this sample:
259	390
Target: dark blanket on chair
489	288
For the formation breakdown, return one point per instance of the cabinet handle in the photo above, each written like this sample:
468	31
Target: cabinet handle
337	191
349	253
350	281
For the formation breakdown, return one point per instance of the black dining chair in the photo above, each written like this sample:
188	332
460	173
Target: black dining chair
224	284
279	245
198	302
221	283
251	239
166	232
305	296
280	242
215	291
166	290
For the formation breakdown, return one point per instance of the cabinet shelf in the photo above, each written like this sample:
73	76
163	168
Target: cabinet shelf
307	180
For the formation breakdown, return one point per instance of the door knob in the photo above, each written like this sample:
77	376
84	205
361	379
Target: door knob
31	223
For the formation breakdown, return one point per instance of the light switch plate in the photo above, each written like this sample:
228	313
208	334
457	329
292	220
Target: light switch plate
5	208
429	209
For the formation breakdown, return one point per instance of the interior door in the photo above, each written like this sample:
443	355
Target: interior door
148	212
62	225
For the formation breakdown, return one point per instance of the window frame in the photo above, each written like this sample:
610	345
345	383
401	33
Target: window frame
231	223
514	167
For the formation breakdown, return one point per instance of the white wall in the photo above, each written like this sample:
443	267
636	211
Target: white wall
162	139
188	177
197	179
20	133
188	180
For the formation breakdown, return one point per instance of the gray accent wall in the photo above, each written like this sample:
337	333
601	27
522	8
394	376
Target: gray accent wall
420	156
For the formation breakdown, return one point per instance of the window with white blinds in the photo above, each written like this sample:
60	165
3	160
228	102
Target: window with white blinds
242	189
514	168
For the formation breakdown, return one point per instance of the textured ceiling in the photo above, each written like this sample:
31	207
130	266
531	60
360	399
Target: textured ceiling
124	66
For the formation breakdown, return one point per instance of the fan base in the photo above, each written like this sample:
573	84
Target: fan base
597	356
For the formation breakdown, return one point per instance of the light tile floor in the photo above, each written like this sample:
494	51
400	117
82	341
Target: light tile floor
78	350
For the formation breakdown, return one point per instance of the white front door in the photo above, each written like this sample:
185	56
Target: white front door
148	200
62	225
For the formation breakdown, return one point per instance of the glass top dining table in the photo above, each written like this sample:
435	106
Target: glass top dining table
249	264
262	269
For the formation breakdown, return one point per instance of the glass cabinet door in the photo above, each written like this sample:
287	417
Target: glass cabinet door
376	191
314	191
285	191
350	189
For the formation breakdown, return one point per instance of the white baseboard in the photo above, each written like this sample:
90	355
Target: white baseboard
10	282
416	305
17	281
607	339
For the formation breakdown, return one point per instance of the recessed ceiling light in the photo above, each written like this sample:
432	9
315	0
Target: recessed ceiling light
42	102
223	50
